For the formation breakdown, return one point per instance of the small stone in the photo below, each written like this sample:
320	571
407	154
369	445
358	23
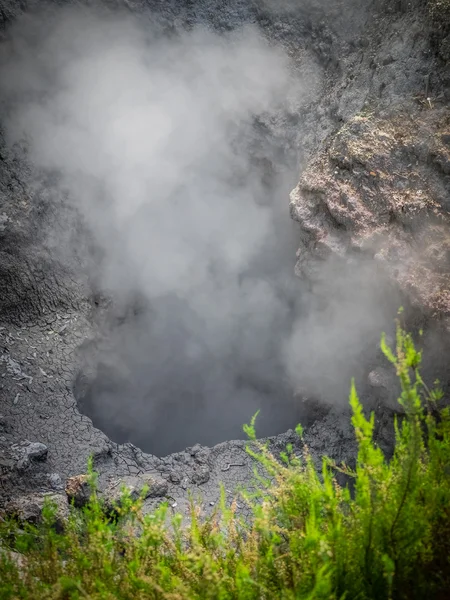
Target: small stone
78	490
36	450
196	448
26	452
55	481
200	475
29	508
113	494
175	477
157	488
184	457
201	455
379	378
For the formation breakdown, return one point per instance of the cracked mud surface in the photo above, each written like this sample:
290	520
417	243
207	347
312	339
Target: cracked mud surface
49	312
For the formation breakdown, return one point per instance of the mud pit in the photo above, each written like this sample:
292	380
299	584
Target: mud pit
163	404
128	349
189	355
195	363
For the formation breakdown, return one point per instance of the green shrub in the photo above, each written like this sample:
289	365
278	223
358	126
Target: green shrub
309	538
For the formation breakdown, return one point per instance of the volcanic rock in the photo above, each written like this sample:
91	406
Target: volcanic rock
29	508
382	188
200	475
78	490
156	487
26	452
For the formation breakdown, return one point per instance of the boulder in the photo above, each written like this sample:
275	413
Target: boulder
28	509
200	475
78	490
157	487
381	189
27	452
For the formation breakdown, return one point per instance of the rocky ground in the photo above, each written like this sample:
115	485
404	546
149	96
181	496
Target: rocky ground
381	188
376	142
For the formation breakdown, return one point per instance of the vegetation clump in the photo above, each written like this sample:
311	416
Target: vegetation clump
386	536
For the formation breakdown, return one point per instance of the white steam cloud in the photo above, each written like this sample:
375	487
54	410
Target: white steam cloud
153	124
165	144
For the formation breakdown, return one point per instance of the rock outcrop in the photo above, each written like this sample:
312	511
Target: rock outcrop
381	188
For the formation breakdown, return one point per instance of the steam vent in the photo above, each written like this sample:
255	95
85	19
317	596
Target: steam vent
210	208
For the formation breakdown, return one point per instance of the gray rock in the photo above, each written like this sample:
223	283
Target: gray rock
201	454
36	450
113	494
379	378
55	481
200	475
175	477
29	508
27	452
157	487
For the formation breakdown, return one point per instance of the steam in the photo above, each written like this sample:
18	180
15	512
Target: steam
178	152
149	134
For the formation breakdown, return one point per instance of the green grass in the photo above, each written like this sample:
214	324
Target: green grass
309	538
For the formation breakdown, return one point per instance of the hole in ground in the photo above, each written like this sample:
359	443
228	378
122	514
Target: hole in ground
159	382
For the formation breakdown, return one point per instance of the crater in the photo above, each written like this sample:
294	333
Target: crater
156	383
175	138
194	222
